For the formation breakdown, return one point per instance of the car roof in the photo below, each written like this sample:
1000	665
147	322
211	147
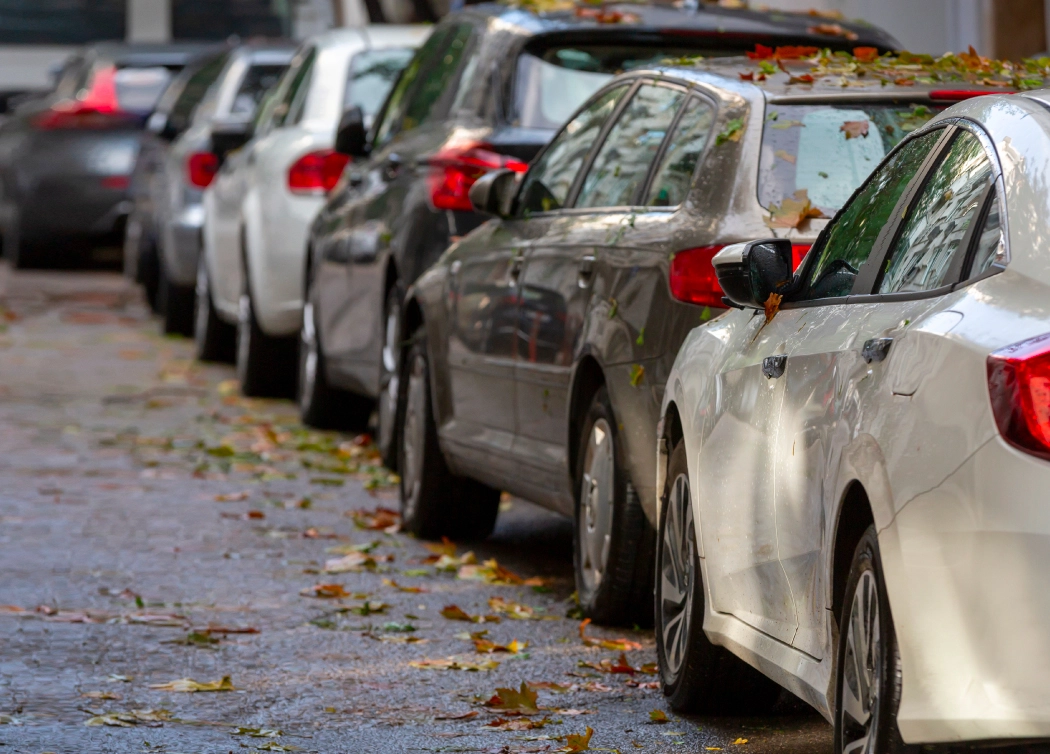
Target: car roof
374	35
727	24
148	54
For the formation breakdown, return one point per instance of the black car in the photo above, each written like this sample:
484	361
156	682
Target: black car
488	90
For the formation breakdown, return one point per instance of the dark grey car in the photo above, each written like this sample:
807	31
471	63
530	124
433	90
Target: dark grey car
66	159
539	345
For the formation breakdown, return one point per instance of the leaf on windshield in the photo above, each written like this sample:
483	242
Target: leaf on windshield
772	305
785	156
855	129
732	132
792	212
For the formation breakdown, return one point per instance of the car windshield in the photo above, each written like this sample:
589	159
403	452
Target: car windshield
139	89
371	75
552	83
828	150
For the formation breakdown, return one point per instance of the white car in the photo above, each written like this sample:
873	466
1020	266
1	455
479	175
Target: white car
857	482
258	211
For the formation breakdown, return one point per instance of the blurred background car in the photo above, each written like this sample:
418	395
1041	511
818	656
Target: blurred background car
854	483
259	211
180	162
66	159
541	342
487	91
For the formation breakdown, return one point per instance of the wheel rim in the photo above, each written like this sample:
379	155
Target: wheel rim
200	324
244	335
414	435
860	669
388	378
677	562
596	505
307	358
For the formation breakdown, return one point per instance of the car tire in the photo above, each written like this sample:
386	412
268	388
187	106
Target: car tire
696	675
19	254
434	502
614	544
266	366
176	306
387	418
215	339
321	405
868	688
148	274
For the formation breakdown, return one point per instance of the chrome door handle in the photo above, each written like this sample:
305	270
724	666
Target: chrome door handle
773	366
586	270
876	349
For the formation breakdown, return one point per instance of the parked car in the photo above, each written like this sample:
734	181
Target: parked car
220	97
487	91
539	345
852	483
259	211
66	159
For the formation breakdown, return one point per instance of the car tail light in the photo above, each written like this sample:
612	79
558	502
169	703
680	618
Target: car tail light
958	95
693	278
798	253
1019	385
116	182
202	168
317	172
454	170
96	108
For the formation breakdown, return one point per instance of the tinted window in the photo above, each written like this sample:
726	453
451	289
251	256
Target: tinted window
547	184
675	175
621	165
846	244
61	21
257	81
219	19
437	79
398	100
829	150
138	89
937	220
295	93
990	247
370	77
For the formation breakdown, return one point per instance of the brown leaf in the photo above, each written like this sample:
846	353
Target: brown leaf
619	666
792	212
658	716
785	156
233	497
617	645
521	702
381	519
455	612
854	129
462	716
772	306
576	742
521	723
453	663
325	591
512	610
407	589
484	646
189	686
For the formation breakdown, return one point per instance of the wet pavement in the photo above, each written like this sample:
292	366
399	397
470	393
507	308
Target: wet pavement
155	527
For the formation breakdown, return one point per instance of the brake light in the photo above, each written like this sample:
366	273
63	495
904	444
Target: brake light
454	170
1019	385
317	172
202	167
798	253
693	278
958	95
116	182
96	108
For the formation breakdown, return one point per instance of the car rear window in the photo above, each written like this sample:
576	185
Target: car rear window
257	81
139	89
552	82
827	150
371	76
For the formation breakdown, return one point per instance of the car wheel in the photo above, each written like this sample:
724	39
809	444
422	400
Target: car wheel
149	275
175	305
868	682
696	675
434	502
215	340
266	366
388	421
320	404
614	542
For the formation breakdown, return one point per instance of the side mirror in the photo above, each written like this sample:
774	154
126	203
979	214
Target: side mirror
750	272
351	138
229	136
493	192
163	126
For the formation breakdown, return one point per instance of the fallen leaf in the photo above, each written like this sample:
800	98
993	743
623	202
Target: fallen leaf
256	732
512	610
617	645
792	212
453	663
213	629
354	562
406	589
576	742
854	129
326	591
658	716
784	52
833	30
520	702
785	156
866	54
462	716
740	742
446	562
151	718
557	688
102	695
520	723
189	686
380	519
492	572
233	497
618	666
732	132
369	607
455	612
772	306
485	646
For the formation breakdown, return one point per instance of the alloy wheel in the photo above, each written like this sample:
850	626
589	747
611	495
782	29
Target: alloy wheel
388	380
307	358
860	671
414	435
596	505
677	561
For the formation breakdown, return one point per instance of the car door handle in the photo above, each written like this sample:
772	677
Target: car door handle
773	366
515	269
586	270
876	349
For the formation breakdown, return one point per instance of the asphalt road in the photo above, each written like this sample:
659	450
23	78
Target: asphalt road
142	503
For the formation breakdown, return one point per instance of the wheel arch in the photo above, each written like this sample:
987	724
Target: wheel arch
854	517
588	377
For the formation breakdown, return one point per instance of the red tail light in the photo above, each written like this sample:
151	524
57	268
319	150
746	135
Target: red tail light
455	169
202	168
958	95
1019	385
97	108
116	182
798	253
693	278
317	172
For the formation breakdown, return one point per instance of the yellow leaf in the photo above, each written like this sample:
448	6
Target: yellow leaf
772	305
740	742
658	716
576	742
189	686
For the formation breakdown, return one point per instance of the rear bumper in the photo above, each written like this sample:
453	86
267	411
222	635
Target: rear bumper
71	206
966	568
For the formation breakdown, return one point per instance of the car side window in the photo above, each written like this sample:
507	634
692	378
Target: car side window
300	90
196	87
991	246
674	176
847	243
438	79
623	161
298	72
547	184
394	109
937	220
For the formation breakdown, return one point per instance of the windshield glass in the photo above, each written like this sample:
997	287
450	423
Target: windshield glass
257	81
138	89
551	83
371	76
828	150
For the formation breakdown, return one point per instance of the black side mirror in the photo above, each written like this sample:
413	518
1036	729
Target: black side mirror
229	136
750	272
493	192
351	138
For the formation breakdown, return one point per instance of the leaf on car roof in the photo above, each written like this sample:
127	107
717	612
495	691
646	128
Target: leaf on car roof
855	129
732	132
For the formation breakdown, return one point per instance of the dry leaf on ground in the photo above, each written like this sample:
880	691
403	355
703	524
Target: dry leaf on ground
462	716
793	211
453	663
512	610
576	742
658	716
455	612
407	589
484	646
520	723
189	686
492	572
325	591
616	645
620	665
233	497
380	519
151	718
520	702
355	562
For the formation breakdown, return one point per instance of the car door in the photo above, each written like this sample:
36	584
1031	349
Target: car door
827	376
485	283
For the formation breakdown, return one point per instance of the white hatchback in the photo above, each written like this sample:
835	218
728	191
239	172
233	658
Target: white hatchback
855	463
